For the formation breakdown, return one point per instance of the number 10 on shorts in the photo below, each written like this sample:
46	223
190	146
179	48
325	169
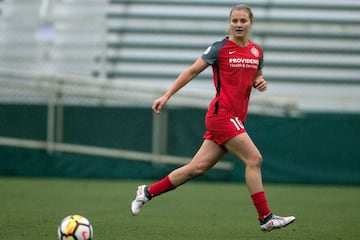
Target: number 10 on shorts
237	123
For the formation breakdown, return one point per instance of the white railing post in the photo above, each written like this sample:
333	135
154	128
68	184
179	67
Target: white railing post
50	129
159	135
59	113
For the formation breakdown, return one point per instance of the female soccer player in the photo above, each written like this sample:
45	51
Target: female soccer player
237	65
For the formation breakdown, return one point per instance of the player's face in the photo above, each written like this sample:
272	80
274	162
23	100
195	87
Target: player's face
240	23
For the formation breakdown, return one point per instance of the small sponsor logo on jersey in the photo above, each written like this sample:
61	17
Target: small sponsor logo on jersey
244	63
244	60
254	51
207	50
232	52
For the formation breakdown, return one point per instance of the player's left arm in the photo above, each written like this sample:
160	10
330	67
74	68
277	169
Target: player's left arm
259	82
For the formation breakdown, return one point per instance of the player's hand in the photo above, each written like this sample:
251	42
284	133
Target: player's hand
159	103
260	84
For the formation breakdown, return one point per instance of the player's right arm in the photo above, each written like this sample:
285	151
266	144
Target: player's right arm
184	78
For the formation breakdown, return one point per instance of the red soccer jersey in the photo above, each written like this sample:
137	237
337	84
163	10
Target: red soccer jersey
234	70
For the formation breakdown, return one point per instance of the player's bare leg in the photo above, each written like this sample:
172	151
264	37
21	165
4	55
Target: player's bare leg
244	148
206	157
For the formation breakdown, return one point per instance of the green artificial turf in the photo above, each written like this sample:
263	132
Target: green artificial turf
32	209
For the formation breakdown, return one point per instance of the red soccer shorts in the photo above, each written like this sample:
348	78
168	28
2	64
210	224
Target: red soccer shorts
222	127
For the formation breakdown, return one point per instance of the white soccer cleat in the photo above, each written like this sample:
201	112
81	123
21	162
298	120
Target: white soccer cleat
275	222
142	196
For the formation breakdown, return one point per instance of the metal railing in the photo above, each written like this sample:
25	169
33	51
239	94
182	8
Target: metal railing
55	90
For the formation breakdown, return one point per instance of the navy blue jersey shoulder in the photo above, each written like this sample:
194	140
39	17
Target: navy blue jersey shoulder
211	53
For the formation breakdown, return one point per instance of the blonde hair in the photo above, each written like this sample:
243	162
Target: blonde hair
243	7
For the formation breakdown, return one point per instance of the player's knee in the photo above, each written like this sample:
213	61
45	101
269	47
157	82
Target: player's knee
255	161
200	169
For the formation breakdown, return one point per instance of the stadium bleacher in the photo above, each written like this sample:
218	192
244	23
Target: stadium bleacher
306	43
51	36
303	42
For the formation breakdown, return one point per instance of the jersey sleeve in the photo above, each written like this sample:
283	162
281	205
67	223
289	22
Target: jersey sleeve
261	63
211	53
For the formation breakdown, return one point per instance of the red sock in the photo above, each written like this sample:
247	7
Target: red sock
260	202
161	186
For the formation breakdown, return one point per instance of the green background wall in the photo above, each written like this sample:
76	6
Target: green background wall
314	148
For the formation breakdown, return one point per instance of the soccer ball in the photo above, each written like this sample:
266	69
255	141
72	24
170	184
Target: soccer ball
75	227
